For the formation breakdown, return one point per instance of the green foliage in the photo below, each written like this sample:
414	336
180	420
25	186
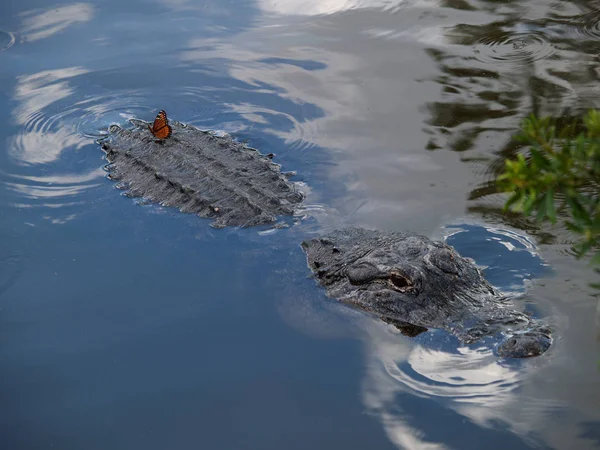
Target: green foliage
559	177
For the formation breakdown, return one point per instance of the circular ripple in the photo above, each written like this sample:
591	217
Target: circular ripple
6	40
51	167
53	160
98	113
589	25
513	48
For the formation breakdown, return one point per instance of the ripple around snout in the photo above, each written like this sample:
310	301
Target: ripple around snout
513	48
471	375
471	381
7	40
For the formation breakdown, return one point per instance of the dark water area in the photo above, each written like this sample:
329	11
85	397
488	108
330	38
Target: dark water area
126	325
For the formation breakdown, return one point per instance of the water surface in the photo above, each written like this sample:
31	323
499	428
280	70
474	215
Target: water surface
126	326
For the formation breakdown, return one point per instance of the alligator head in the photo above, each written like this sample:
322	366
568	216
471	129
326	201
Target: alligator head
416	283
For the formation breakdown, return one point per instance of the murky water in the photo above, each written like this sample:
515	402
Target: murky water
129	326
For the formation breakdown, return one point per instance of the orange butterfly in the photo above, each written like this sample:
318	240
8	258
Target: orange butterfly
161	128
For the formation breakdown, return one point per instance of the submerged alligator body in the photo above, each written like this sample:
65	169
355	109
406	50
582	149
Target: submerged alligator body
201	173
415	283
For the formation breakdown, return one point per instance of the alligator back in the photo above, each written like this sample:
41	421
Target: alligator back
201	173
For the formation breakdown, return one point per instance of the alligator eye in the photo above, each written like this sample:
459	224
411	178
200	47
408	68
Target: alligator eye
400	282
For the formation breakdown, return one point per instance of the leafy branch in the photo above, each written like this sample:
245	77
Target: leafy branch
558	177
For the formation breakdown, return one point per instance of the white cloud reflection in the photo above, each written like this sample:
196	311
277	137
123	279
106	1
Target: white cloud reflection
42	138
357	110
40	24
37	91
322	7
55	186
37	147
53	191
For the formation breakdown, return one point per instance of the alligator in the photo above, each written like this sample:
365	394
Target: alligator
414	283
202	173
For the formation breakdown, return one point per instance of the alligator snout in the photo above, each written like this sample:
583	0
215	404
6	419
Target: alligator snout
525	345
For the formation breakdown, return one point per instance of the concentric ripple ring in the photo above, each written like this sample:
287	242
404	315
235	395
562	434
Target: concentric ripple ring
513	48
7	40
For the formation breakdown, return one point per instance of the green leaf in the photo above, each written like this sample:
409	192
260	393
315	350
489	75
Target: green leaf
513	200
577	210
528	203
574	227
541	207
550	210
538	158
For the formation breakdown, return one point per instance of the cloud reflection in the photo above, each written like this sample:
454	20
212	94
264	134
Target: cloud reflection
38	147
42	138
37	91
53	191
322	7
40	24
337	99
47	116
363	111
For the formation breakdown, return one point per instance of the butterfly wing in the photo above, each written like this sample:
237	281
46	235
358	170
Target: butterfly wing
161	128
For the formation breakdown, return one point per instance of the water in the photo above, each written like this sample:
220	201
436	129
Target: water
129	326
